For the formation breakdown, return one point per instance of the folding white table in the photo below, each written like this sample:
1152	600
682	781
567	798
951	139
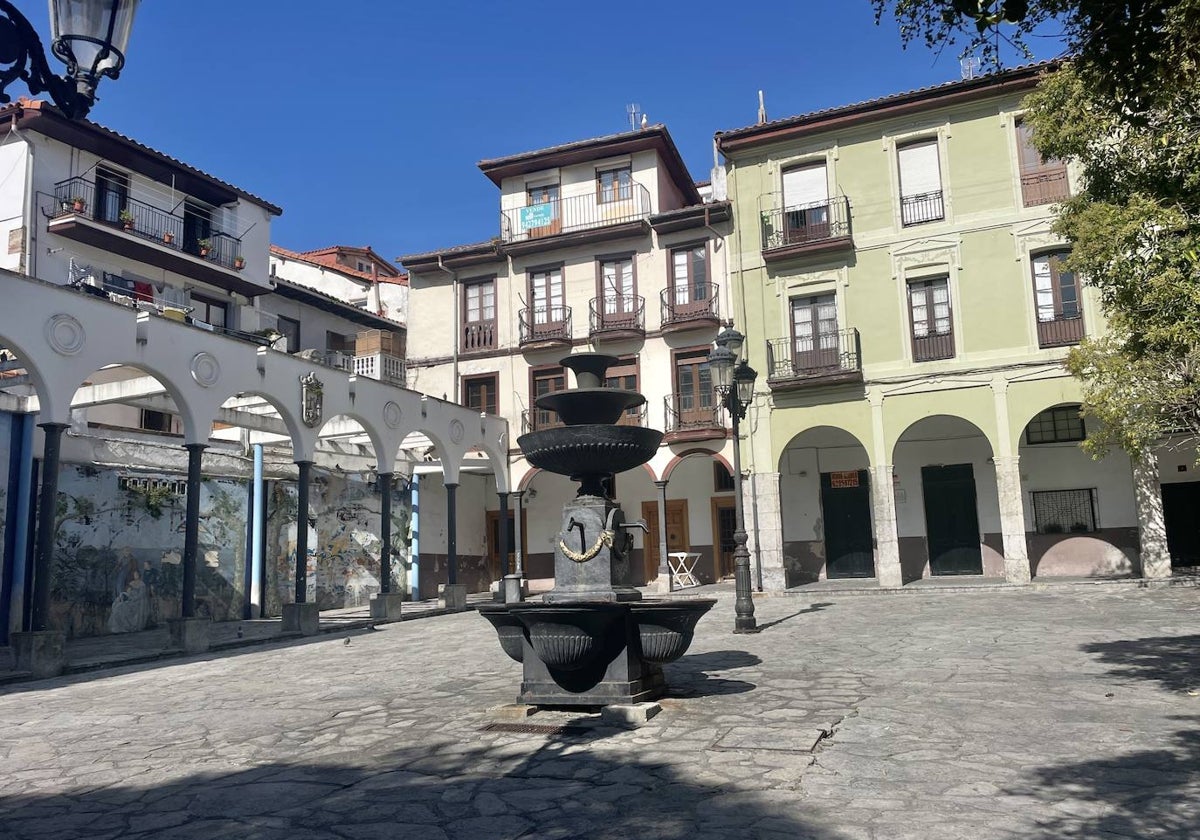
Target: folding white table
683	567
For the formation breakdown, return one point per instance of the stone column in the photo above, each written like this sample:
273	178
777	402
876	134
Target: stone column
1152	530
300	616
42	651
189	633
385	604
769	547
887	541
664	570
454	594
1012	519
510	582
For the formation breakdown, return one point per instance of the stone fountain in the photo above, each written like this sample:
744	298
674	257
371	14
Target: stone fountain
593	640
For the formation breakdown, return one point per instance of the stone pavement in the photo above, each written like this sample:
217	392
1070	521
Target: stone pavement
1071	712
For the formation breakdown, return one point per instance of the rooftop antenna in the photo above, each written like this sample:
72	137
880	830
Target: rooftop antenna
633	111
762	109
969	66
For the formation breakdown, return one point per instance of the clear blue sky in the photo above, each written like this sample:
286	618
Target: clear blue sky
364	119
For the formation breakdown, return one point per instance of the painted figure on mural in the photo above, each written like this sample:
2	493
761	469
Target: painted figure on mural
131	608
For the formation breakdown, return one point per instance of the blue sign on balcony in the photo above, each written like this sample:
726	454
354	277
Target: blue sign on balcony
537	215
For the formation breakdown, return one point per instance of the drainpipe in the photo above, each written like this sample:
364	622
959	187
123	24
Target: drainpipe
457	325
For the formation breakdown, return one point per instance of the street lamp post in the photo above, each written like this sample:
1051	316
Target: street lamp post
89	36
733	382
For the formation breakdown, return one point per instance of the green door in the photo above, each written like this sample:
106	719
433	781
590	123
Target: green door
846	510
951	520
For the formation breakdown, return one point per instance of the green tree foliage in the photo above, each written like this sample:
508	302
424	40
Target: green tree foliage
1126	109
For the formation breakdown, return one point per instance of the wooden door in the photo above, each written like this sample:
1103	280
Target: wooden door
952	520
650	541
693	390
724	517
690	290
677	532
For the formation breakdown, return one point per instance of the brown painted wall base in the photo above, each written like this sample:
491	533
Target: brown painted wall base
1109	551
473	572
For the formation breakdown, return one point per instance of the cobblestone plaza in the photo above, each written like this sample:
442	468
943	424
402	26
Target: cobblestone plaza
1067	711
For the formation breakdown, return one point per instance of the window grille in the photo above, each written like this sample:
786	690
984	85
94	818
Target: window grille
1064	511
1056	425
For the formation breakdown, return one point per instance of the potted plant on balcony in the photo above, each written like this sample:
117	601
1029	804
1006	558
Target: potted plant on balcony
168	238
205	245
239	262
78	204
126	218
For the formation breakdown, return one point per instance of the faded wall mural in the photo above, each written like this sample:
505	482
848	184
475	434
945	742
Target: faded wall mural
343	541
119	550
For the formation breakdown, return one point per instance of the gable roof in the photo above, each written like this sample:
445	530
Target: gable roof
327	258
1014	79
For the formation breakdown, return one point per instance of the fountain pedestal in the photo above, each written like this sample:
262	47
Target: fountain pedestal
591	554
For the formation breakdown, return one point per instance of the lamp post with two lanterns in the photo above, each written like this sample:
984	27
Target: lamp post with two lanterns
733	382
89	36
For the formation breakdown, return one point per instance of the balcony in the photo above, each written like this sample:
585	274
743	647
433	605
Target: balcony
380	366
539	419
615	318
148	234
1060	332
691	417
577	219
545	327
921	208
689	307
818	228
478	336
1045	186
814	361
930	348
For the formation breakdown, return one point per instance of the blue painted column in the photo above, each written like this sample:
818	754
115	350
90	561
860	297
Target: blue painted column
16	533
257	533
43	555
414	550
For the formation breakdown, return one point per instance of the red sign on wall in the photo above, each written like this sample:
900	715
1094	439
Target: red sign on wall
846	478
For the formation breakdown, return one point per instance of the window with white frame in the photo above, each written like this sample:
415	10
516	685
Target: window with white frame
921	197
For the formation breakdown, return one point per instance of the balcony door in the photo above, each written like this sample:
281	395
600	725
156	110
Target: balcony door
549	215
624	375
1056	295
617	291
545	381
695	400
814	333
805	204
197	226
690	290
112	194
546	300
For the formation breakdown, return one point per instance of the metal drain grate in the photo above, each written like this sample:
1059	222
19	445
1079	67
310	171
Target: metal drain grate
534	729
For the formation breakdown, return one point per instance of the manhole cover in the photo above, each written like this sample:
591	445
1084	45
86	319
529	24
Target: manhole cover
534	728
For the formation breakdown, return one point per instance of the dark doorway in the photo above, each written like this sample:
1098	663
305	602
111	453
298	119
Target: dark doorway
952	520
846	510
499	564
197	227
1181	515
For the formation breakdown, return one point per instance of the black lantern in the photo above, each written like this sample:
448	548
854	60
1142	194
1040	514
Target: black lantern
89	36
743	379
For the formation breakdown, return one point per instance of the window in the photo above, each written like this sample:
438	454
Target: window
545	381
1064	511
691	292
210	312
695	402
614	185
920	183
112	194
155	421
814	333
364	266
546	296
290	329
335	342
1056	425
929	313
617	287
546	194
481	393
624	375
1056	298
722	478
1042	181
805	204
479	315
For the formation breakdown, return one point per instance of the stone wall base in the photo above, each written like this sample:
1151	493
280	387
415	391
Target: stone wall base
301	618
189	634
386	605
41	653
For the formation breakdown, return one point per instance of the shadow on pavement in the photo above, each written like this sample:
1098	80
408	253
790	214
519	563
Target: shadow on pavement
444	791
811	608
689	675
1148	793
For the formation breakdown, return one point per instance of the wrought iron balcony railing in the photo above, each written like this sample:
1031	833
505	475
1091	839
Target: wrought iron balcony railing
77	196
545	323
817	356
921	208
574	213
617	313
1060	332
692	413
1045	186
694	302
537	419
929	348
806	224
